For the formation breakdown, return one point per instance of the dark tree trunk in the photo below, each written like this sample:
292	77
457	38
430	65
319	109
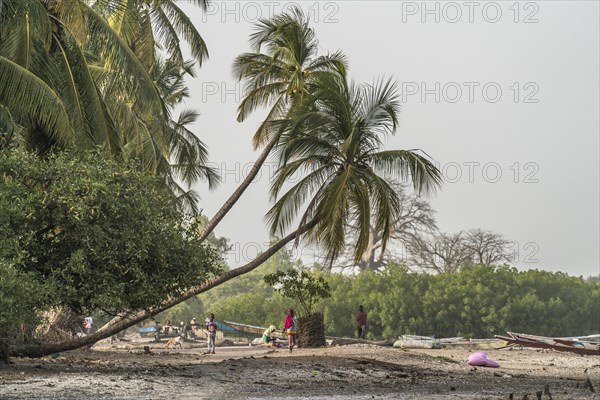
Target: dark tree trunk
3	351
311	331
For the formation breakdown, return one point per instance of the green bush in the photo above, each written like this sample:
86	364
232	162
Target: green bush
91	234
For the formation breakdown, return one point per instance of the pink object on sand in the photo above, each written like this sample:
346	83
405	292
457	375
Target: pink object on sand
491	363
479	359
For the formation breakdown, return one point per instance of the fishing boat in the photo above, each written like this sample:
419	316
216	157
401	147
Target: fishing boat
575	345
252	329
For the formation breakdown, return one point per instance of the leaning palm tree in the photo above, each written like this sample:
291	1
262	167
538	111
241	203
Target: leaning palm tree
277	74
334	138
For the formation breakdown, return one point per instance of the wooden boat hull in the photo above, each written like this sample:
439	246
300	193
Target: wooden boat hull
560	344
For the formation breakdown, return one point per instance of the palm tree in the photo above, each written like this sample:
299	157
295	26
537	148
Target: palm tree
335	137
277	78
83	76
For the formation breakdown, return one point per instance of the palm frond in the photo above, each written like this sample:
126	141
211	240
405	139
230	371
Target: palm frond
22	91
125	19
184	26
409	165
285	210
189	153
381	106
118	56
332	62
167	35
145	42
87	111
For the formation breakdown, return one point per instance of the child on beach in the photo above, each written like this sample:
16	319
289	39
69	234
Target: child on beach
211	327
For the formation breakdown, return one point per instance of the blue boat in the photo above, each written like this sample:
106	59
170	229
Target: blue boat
149	329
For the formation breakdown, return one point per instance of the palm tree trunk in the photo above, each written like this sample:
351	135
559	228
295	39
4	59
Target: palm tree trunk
40	350
235	196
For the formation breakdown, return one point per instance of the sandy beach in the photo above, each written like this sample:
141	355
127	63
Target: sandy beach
356	371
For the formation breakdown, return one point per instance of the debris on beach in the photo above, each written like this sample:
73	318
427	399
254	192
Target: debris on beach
588	345
417	342
427	342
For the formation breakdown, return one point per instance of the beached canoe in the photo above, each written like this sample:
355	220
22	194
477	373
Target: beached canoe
252	329
573	345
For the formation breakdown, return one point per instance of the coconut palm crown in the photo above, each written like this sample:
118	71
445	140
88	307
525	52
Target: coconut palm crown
279	77
333	140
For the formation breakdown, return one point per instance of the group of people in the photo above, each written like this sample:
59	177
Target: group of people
290	328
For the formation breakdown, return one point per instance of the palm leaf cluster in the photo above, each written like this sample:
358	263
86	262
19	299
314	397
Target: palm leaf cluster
333	141
83	73
281	67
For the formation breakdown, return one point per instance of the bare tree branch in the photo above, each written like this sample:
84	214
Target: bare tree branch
445	252
416	219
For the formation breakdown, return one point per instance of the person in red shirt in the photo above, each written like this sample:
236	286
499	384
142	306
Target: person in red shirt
361	322
290	326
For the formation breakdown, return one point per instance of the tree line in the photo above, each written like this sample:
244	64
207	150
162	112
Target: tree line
476	301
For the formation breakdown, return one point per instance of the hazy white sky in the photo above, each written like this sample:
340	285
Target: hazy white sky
503	95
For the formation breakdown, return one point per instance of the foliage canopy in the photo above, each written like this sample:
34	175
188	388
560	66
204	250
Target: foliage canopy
301	285
93	234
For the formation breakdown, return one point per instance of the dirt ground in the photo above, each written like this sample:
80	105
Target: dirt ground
343	372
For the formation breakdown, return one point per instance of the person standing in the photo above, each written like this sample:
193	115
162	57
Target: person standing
193	326
159	330
88	324
361	322
211	327
290	326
